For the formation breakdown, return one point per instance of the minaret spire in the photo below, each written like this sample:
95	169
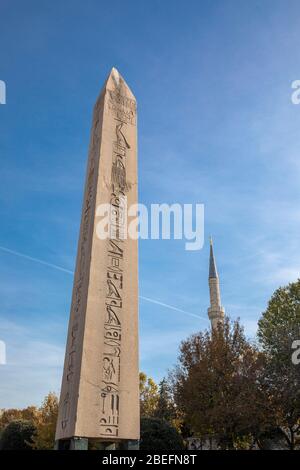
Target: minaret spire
215	311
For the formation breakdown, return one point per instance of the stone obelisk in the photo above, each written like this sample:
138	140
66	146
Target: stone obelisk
100	386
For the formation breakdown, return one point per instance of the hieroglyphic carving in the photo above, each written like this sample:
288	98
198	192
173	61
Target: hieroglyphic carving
122	108
109	420
110	393
81	271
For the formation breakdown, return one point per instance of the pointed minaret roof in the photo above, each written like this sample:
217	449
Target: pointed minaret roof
215	311
213	273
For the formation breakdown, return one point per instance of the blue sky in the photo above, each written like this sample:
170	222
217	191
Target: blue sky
216	126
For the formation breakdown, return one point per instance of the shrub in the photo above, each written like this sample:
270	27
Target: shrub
157	434
17	435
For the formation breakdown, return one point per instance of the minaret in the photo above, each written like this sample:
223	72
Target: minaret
215	311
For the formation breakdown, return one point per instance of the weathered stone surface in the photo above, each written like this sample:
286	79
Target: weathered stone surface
100	386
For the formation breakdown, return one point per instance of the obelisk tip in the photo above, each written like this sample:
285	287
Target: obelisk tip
115	81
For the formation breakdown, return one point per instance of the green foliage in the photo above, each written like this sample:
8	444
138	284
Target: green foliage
42	420
148	395
165	408
278	328
17	435
158	435
280	323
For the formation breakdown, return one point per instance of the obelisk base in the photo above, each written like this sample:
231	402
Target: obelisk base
81	443
129	445
107	446
76	443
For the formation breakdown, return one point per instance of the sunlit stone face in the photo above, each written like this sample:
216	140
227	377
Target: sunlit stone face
100	387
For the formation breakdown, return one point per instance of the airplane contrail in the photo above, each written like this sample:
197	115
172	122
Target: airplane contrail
36	260
68	271
158	302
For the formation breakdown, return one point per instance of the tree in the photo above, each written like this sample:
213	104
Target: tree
279	325
217	386
13	414
148	395
278	328
9	415
43	420
165	408
46	423
158	435
17	435
158	401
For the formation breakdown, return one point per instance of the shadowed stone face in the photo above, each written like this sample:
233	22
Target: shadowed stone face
100	387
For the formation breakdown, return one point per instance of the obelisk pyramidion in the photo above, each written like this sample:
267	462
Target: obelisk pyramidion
100	385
